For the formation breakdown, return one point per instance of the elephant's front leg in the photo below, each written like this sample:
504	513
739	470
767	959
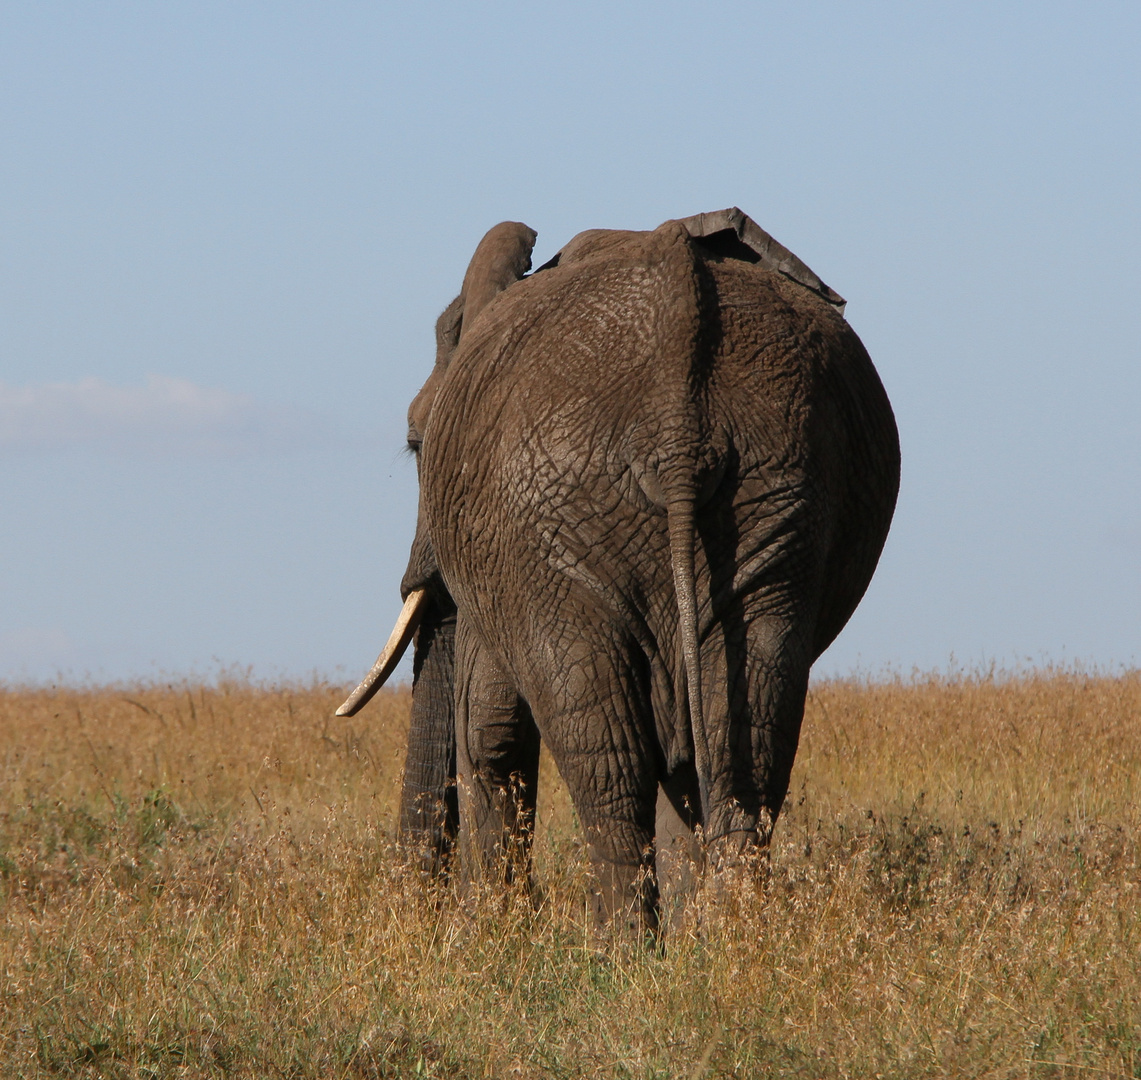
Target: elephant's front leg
429	816
497	765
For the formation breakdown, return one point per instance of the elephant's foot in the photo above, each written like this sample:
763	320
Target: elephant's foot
498	831
498	870
738	866
477	893
495	869
679	856
625	902
427	833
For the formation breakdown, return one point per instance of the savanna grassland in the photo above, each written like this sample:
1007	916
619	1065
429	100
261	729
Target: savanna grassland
201	881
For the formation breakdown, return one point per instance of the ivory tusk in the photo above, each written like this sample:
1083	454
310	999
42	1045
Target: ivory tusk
390	655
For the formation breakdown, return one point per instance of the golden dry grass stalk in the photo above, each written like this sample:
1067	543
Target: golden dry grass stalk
201	881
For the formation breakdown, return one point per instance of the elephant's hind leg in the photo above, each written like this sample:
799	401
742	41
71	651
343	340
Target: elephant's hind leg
597	726
497	765
752	755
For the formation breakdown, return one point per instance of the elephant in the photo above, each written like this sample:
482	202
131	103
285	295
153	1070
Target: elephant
656	476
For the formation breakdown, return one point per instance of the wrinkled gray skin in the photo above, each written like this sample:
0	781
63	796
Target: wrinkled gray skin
655	480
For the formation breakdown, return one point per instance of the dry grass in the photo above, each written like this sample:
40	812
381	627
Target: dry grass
200	881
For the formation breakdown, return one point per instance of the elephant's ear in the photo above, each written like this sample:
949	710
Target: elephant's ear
502	258
448	330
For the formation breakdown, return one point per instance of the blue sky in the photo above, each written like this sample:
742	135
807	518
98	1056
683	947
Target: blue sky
226	230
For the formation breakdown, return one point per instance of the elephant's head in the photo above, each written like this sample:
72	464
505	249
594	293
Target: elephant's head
502	258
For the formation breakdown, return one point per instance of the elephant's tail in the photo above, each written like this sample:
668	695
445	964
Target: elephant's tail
684	459
680	507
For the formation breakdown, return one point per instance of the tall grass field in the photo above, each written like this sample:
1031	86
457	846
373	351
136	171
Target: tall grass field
202	881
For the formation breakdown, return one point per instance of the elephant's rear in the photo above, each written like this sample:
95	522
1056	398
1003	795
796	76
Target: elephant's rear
653	358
